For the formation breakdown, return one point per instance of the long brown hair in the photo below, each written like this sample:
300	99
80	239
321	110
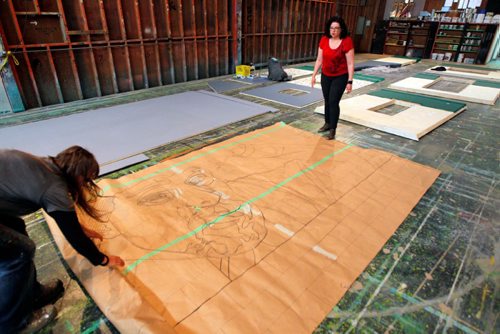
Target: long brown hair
80	168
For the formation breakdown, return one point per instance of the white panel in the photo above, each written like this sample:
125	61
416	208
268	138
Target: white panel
477	94
412	123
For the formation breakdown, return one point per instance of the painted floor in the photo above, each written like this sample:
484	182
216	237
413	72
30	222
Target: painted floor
439	273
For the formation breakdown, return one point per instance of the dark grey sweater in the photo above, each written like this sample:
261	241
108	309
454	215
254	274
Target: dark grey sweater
28	183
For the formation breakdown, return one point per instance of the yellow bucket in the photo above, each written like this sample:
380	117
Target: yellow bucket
243	70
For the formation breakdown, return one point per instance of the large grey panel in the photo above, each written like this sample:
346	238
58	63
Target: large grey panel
276	93
118	132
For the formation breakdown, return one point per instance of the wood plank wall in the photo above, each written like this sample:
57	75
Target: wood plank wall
72	50
286	29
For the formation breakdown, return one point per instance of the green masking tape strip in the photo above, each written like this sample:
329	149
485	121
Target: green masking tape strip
148	176
221	217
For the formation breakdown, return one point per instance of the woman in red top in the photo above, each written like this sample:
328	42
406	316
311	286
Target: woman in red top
336	59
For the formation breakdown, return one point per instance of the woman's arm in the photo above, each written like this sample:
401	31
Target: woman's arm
350	68
72	230
317	66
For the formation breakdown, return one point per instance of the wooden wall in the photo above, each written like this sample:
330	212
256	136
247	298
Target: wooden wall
71	50
286	29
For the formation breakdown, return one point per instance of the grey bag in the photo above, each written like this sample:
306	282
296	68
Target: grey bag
276	72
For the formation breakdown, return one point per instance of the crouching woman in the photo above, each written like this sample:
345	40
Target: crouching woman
55	184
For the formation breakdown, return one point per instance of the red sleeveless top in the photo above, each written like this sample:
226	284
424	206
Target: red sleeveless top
334	60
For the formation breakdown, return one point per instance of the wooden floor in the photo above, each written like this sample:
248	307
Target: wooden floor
439	273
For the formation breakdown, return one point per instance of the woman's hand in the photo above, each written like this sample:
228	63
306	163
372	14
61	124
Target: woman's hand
115	261
348	88
313	80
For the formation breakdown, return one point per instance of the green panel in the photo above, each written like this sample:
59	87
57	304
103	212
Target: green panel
429	76
365	77
472	67
5	107
485	83
426	101
12	89
306	67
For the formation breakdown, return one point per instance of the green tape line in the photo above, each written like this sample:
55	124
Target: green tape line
212	151
484	83
426	101
221	217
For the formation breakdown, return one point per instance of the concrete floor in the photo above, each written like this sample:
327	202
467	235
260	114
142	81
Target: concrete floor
439	272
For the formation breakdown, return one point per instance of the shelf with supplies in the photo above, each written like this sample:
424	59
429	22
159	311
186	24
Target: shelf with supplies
414	41
459	41
449	50
467	42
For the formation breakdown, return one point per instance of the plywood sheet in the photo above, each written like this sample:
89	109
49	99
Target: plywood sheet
121	131
460	72
471	93
218	241
398	60
412	123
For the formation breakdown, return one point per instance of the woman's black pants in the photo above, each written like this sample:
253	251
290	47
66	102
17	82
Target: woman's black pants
333	88
18	282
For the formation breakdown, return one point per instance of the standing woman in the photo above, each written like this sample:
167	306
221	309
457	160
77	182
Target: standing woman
336	59
56	184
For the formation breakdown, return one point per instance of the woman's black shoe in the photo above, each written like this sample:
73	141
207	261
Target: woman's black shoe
48	293
331	135
324	128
